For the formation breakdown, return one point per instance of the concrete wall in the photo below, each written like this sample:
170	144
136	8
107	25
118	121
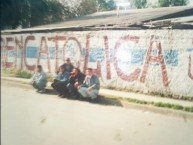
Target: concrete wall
143	60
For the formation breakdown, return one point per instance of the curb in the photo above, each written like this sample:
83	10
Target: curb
128	105
163	111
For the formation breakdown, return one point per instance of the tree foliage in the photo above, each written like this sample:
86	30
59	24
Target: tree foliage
86	7
27	13
105	5
167	3
140	3
111	5
90	6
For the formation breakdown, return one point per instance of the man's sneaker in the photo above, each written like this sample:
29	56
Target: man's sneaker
59	95
73	97
38	91
42	91
94	100
64	96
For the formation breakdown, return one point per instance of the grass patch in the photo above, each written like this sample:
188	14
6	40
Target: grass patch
23	74
9	72
50	78
156	104
17	73
155	94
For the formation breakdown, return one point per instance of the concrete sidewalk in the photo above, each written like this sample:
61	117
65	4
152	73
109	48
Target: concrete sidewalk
115	93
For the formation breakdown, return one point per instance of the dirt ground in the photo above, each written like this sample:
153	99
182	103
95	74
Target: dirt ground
29	118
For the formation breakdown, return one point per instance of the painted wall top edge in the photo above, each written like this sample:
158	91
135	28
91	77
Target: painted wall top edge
82	31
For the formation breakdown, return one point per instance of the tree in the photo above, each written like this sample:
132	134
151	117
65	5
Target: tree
164	3
167	3
39	11
90	6
27	13
105	5
101	5
179	2
111	5
140	3
57	11
86	7
9	14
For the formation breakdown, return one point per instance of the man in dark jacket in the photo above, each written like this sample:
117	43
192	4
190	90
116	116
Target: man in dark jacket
75	80
68	65
60	82
91	85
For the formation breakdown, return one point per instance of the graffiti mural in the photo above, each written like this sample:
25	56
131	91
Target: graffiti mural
142	60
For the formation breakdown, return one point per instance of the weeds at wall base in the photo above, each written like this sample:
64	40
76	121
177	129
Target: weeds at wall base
26	74
155	94
17	73
156	104
22	74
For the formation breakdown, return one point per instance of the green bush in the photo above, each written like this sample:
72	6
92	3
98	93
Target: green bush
157	104
9	71
50	78
188	109
178	107
23	74
17	73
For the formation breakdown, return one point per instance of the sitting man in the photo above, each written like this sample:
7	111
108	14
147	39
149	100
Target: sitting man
60	82
90	87
39	80
75	80
68	65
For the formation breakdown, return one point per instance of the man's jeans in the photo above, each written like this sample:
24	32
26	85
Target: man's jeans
60	87
39	86
85	93
72	90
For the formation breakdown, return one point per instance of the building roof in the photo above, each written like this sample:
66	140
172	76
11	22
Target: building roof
180	17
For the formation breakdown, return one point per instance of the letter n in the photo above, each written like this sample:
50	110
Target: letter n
29	67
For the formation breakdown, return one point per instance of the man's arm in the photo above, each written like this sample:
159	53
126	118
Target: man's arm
33	78
84	83
43	77
96	81
65	78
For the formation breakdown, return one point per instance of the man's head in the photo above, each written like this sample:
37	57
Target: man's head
75	71
62	69
39	68
68	60
89	72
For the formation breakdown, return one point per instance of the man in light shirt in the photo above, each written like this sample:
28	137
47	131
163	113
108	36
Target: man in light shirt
91	85
39	80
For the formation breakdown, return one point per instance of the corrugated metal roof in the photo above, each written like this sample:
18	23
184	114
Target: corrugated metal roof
125	19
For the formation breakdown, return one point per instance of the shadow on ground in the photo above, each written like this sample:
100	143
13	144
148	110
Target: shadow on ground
108	101
101	99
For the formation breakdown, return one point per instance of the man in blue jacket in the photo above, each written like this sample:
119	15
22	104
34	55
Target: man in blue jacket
39	80
91	85
61	81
